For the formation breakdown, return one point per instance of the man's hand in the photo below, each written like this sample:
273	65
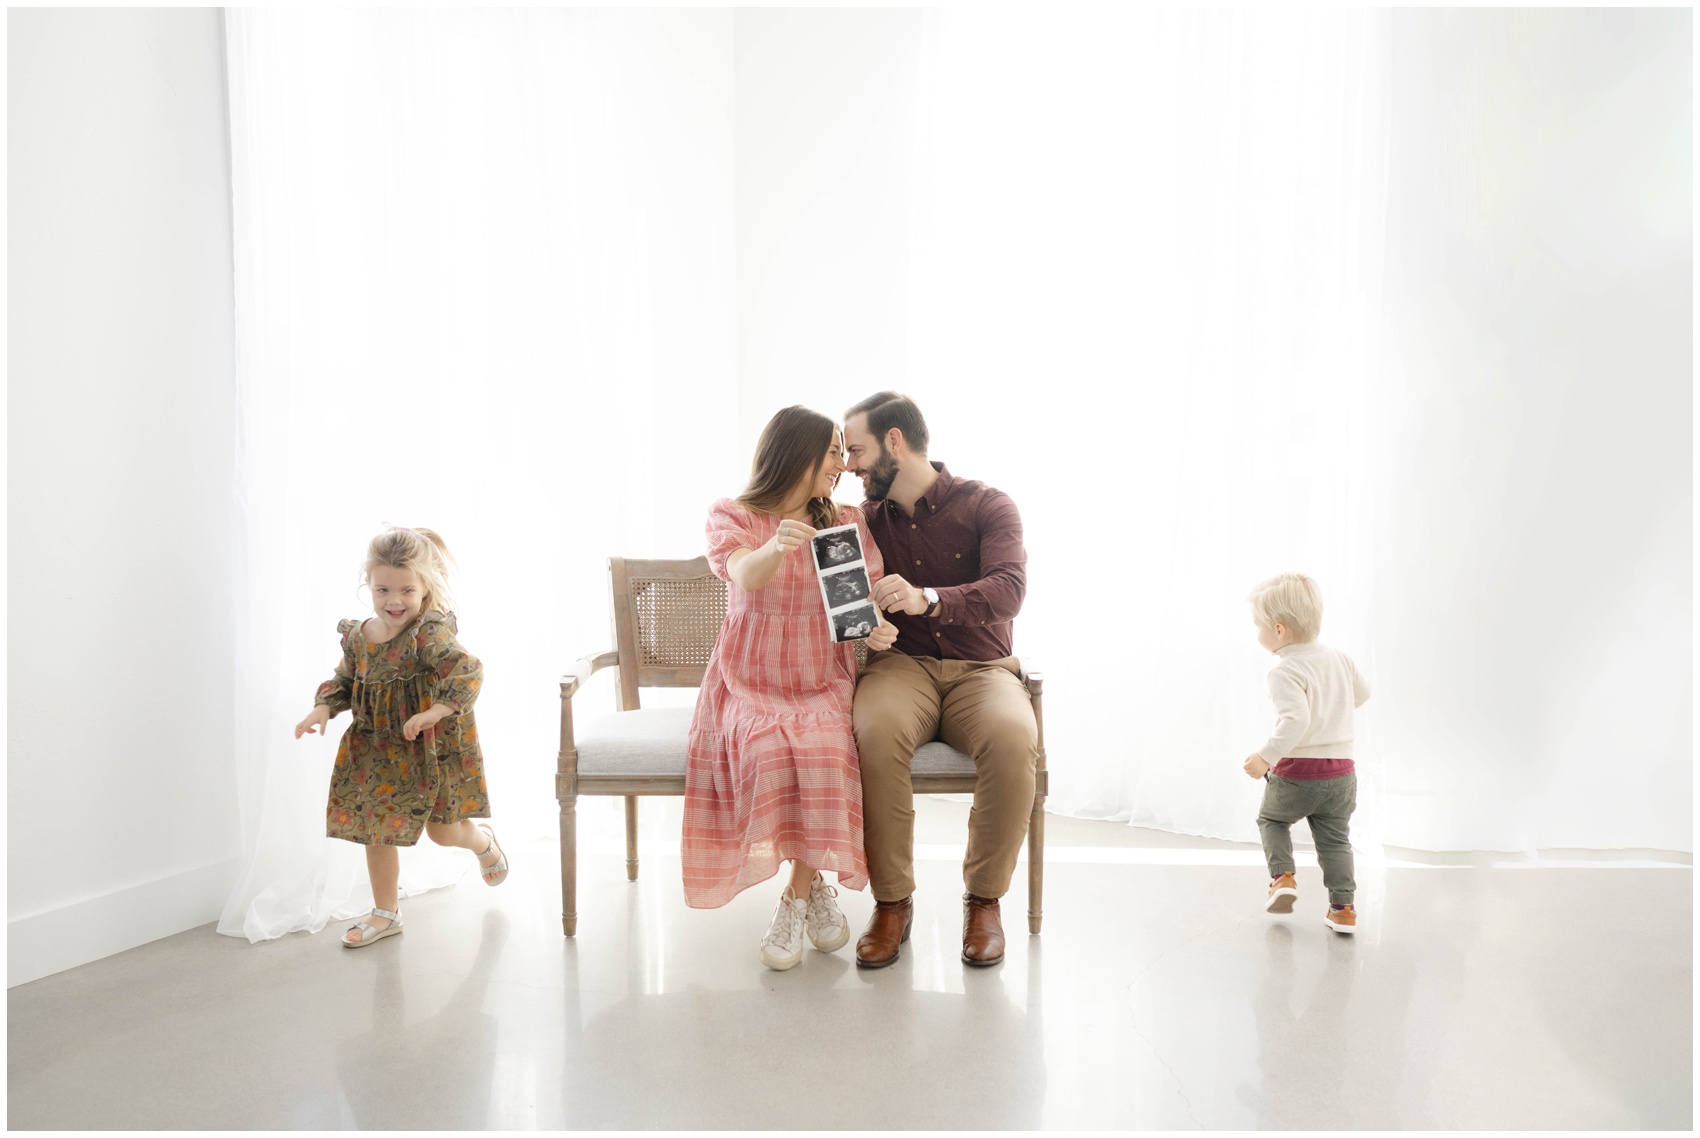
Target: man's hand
315	721
882	637
894	594
1256	767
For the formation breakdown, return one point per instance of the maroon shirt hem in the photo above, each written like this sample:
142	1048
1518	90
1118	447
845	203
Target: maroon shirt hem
1306	769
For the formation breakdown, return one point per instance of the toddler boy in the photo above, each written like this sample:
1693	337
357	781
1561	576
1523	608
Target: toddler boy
1307	763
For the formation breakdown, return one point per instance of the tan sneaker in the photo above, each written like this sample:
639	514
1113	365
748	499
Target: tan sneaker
1283	891
1341	920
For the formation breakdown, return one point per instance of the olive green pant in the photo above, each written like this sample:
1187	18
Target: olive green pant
1328	804
980	708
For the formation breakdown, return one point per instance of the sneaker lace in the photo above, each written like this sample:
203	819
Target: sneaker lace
783	930
823	907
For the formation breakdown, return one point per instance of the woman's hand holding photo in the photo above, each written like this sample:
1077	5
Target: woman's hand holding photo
792	535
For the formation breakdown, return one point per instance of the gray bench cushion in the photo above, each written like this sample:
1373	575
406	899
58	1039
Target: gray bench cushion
940	758
651	741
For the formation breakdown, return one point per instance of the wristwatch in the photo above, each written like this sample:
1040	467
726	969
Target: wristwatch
932	601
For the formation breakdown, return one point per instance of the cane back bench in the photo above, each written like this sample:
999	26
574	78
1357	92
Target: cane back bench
666	616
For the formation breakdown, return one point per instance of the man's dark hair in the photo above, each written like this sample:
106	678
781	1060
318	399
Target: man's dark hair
888	409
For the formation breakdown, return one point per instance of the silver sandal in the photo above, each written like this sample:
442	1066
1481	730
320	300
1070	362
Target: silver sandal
500	869
370	935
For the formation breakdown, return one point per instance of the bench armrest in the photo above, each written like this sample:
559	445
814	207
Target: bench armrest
1032	676
583	670
566	763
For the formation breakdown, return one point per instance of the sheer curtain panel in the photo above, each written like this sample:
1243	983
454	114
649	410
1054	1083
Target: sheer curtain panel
483	268
1163	360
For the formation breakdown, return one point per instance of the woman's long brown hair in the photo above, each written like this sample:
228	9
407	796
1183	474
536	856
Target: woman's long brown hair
792	448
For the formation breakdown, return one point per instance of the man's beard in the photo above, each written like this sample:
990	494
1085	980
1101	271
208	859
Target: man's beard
880	476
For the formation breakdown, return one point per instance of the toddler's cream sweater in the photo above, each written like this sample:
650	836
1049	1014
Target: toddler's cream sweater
1315	688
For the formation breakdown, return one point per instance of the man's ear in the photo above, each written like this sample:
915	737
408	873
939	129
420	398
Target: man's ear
894	439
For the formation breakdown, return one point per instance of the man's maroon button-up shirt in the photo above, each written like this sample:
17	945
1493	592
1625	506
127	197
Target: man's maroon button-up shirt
964	541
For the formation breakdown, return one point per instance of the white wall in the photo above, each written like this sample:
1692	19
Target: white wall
120	788
1534	560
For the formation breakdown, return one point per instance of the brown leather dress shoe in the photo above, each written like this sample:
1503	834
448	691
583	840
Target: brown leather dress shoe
982	931
888	929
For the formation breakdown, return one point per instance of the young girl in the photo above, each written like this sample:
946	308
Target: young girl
410	758
772	774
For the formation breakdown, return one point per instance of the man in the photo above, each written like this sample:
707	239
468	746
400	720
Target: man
956	573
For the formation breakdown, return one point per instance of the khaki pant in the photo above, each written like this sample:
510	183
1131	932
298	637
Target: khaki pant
1328	804
980	708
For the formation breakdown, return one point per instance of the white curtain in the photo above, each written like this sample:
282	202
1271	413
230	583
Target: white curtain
535	278
1400	300
484	284
1145	268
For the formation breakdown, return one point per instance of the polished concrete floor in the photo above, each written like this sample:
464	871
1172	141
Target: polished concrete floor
1160	996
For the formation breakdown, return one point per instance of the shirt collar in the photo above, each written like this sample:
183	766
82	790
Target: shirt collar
940	492
933	498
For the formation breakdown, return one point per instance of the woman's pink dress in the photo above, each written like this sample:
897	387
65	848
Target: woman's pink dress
772	773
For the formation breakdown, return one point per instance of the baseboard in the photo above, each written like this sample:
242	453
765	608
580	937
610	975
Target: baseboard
85	931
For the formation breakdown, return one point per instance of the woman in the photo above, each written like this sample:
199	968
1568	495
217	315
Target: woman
772	775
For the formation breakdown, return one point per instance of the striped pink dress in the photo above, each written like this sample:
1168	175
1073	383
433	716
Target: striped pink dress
772	773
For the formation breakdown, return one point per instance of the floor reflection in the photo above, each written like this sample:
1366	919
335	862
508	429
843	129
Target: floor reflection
1302	1050
443	1065
1471	999
830	1046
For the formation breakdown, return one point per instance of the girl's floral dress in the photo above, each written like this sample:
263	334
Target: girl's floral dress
385	788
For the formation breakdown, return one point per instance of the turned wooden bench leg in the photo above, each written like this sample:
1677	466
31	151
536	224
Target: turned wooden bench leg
631	837
1036	868
569	865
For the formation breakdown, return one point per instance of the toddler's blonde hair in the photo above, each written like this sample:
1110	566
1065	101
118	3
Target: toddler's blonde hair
1291	599
421	550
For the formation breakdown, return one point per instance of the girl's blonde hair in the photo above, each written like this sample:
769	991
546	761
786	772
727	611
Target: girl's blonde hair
421	550
1291	599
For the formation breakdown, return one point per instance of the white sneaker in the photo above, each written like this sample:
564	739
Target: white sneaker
828	930
782	947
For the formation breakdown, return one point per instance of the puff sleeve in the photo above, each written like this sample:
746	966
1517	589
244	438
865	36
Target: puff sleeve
452	674
337	693
729	529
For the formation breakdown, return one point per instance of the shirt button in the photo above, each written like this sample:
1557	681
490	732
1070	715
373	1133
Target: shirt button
917	561
940	634
959	557
912	525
